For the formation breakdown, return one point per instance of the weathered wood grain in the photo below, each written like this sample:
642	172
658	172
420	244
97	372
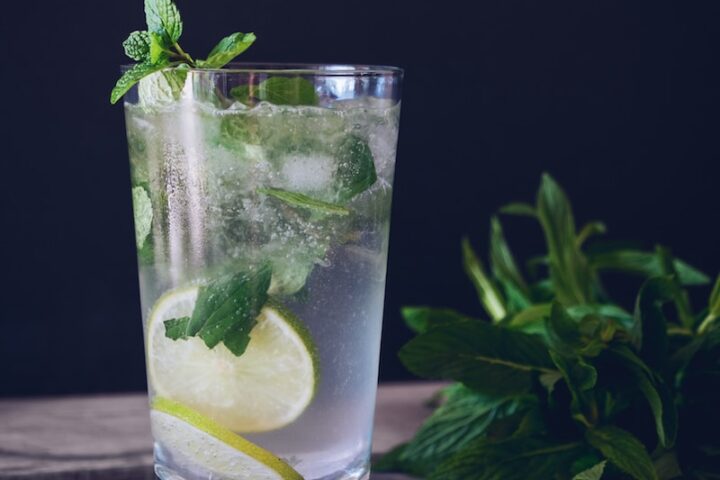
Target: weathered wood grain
108	437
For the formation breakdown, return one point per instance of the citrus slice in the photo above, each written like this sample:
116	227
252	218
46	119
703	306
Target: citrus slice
194	440
265	388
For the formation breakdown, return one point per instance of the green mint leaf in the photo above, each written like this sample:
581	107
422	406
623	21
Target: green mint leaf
650	331
715	299
646	264
592	473
575	334
241	93
589	230
227	49
681	298
519	209
238	337
570	273
656	392
287	91
421	319
163	18
486	289
492	360
505	269
162	88
131	77
580	378
228	306
713	308
175	328
303	201
137	46
142	210
516	458
464	417
623	450
158	49
356	167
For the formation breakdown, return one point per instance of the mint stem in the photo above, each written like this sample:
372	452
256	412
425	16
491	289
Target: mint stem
184	55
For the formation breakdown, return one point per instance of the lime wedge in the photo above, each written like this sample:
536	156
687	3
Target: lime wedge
196	440
266	388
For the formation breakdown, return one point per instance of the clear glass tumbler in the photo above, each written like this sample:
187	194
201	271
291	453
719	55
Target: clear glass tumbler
262	197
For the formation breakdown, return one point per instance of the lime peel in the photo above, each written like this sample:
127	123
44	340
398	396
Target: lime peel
226	436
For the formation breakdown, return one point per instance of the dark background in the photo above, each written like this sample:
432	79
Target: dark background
619	100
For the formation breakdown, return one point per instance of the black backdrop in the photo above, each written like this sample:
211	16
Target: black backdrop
619	100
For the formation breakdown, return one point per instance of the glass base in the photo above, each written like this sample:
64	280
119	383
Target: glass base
166	469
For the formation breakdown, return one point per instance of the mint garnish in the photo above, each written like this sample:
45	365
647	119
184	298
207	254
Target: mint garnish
293	91
228	48
303	201
158	49
225	310
142	209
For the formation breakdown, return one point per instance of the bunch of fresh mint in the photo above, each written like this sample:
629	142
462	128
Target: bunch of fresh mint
562	382
157	49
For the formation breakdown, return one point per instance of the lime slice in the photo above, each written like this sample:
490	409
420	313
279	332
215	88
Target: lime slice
265	388
196	440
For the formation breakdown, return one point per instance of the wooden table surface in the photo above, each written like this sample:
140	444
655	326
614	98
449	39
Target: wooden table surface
108	437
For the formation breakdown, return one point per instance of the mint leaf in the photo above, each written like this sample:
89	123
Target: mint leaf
715	299
590	229
131	77
492	360
571	335
516	458
287	91
356	167
655	391
176	328
464	417
230	305
227	49
650	331
592	473
225	310
506	270
137	46
142	210
580	378
623	450
303	201
163	18
486	289
713	308
647	264
158	48
421	319
570	273
519	209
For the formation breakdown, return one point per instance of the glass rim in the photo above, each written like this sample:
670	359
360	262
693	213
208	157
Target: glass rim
312	69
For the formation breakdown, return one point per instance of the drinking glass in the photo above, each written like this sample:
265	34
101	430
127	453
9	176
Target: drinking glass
261	198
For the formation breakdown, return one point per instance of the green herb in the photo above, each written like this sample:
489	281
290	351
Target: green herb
592	473
158	49
305	202
142	210
560	382
278	90
225	310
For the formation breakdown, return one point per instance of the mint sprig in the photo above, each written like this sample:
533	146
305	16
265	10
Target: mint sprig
225	310
158	48
597	392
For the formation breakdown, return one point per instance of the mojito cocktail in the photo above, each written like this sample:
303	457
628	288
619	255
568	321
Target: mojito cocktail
262	207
